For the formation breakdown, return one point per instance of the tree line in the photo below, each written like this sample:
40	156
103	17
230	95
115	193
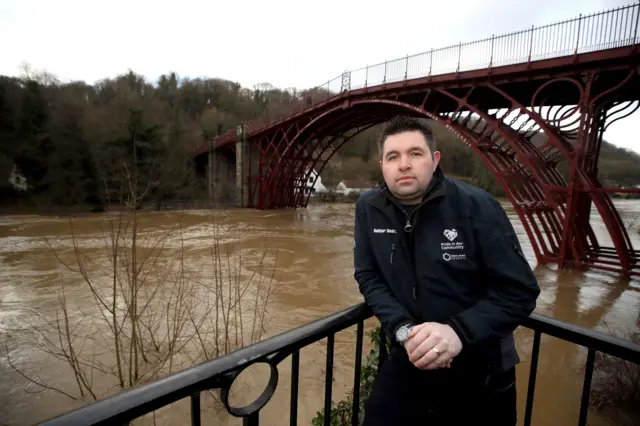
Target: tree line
79	144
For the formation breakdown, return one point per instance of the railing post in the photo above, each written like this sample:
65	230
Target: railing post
635	32
533	371
196	418
530	46
384	79
575	53
459	54
491	58
366	76
251	419
406	67
295	370
430	61
328	380
586	388
346	81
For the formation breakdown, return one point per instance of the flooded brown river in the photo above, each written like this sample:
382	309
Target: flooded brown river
308	261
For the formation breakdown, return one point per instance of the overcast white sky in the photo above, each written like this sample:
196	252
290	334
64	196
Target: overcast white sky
287	43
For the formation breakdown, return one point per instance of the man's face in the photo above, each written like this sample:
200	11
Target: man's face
407	165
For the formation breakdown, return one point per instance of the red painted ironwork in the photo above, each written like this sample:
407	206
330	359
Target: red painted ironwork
527	103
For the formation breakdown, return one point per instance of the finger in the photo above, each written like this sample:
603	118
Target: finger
418	338
443	361
426	354
416	328
424	347
420	332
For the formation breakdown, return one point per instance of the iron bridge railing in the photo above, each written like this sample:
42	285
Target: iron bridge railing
586	33
221	372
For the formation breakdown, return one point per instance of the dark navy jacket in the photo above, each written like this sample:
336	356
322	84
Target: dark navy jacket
455	260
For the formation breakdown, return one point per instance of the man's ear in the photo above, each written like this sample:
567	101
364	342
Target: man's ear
436	158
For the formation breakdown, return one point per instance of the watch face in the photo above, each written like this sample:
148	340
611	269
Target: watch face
402	334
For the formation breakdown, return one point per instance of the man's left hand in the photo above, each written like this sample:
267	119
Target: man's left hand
432	345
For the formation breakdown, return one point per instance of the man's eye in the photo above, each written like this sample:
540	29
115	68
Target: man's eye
416	154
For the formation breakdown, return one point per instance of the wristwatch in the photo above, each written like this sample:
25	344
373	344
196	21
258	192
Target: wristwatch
402	333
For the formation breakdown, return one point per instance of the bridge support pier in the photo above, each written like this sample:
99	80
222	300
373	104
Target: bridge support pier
211	170
242	175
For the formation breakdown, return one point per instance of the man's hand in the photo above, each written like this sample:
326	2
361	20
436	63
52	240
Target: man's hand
432	345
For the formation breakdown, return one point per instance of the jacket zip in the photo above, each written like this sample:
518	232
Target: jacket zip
408	227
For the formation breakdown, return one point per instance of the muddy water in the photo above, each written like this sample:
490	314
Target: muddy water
307	257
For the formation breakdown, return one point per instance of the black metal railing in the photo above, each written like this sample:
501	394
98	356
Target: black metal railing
221	372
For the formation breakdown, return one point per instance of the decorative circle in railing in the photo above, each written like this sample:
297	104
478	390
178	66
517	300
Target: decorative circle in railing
260	401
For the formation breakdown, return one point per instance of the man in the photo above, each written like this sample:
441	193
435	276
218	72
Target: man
441	267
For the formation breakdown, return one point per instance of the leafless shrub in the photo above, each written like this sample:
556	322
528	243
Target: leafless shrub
152	312
615	389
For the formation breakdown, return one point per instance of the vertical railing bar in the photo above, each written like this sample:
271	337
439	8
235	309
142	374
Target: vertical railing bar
623	29
578	34
382	350
552	40
252	419
601	31
195	409
406	67
355	409
635	32
614	27
530	45
328	382
532	378
384	79
609	27
569	36
587	33
586	389
295	370
366	76
594	32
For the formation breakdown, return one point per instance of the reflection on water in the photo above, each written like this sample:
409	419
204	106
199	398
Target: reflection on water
313	277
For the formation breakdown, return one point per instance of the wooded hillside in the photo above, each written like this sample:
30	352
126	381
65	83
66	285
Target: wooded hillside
82	145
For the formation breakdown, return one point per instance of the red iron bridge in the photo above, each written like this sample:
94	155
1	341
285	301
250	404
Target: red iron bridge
527	103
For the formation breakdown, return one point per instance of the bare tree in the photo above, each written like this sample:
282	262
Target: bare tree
153	311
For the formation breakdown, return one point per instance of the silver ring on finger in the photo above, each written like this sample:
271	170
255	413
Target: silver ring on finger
436	350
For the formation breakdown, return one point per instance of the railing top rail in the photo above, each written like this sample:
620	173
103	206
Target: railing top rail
138	401
586	337
508	34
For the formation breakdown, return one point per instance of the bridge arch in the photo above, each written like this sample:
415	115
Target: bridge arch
517	174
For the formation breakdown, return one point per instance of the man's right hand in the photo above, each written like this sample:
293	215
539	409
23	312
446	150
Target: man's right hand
432	346
406	348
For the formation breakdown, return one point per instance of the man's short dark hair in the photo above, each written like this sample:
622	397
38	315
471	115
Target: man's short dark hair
407	124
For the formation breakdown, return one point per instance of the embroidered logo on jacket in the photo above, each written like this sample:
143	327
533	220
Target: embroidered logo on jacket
452	234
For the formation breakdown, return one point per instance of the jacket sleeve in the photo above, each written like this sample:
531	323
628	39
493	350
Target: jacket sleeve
373	286
511	287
